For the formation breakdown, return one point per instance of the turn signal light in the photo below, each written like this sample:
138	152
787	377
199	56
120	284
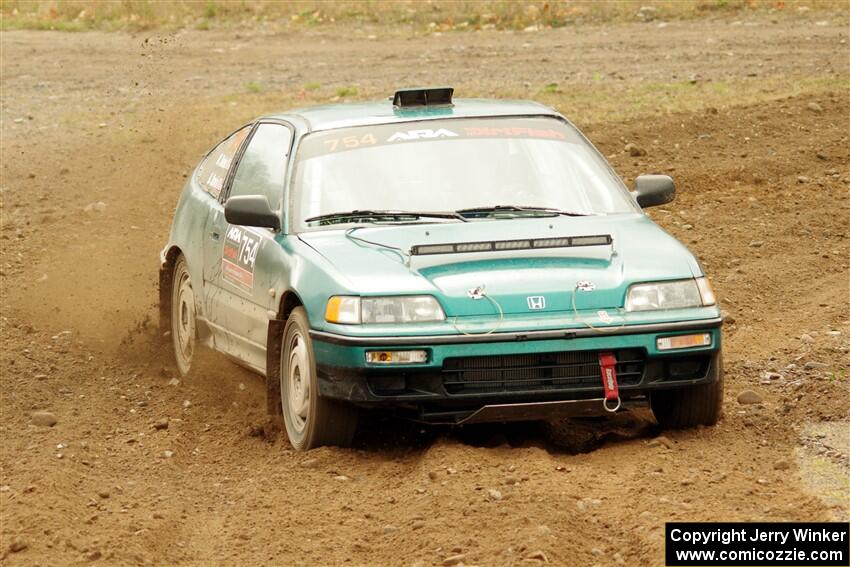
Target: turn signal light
396	356
683	341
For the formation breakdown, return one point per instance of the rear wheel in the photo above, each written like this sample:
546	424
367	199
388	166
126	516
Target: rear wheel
182	316
310	420
691	406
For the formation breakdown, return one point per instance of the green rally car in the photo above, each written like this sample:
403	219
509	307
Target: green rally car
456	261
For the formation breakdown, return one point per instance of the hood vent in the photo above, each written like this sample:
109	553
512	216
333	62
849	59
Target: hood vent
508	245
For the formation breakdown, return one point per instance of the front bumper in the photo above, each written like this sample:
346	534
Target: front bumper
465	373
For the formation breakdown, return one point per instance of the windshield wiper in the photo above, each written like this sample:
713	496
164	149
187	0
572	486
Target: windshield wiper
386	215
541	211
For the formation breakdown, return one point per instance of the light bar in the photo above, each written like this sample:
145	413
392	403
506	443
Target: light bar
512	244
499	245
683	341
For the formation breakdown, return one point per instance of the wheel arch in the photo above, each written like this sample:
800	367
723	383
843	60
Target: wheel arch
289	300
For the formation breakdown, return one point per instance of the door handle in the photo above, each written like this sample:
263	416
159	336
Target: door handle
214	235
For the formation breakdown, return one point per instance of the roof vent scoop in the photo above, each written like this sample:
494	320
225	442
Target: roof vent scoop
434	96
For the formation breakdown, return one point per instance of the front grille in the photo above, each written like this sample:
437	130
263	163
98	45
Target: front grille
552	371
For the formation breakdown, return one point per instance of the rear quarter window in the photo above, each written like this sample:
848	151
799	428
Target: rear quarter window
212	172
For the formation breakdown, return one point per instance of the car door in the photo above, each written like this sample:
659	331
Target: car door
211	177
238	300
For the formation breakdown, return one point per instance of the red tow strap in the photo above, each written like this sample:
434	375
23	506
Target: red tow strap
608	369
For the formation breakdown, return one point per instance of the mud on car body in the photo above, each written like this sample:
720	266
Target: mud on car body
455	261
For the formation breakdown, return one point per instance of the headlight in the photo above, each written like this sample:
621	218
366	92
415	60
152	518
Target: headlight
402	309
669	295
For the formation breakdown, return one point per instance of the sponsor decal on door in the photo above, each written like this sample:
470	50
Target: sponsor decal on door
239	255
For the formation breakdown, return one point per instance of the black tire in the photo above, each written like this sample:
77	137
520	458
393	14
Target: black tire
182	319
311	420
691	406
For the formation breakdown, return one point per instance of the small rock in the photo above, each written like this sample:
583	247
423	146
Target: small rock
538	555
94	555
390	529
99	207
749	397
44	419
341	478
544	530
618	558
822	156
773	376
310	463
103	493
814	107
494	494
161	424
167	454
187	404
806	338
812	365
782	465
662	441
174	382
757	243
18	545
802	179
432	475
454	559
634	150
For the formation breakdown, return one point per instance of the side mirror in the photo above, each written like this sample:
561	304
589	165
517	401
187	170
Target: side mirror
251	210
654	190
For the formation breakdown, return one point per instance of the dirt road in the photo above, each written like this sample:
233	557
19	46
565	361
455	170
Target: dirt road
100	130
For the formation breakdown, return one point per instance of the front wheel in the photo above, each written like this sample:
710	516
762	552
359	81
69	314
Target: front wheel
311	421
693	405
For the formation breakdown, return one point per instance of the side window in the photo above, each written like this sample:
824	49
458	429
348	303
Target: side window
213	170
262	168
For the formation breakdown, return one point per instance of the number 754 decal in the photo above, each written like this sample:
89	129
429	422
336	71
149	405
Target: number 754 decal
239	256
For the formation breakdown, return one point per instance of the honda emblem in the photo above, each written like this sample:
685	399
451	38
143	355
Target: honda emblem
536	302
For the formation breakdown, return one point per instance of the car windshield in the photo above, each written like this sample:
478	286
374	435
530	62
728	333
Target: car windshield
508	165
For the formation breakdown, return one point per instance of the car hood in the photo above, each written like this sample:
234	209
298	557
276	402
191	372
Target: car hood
377	261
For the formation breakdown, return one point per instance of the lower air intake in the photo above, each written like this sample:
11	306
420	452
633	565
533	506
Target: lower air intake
555	371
